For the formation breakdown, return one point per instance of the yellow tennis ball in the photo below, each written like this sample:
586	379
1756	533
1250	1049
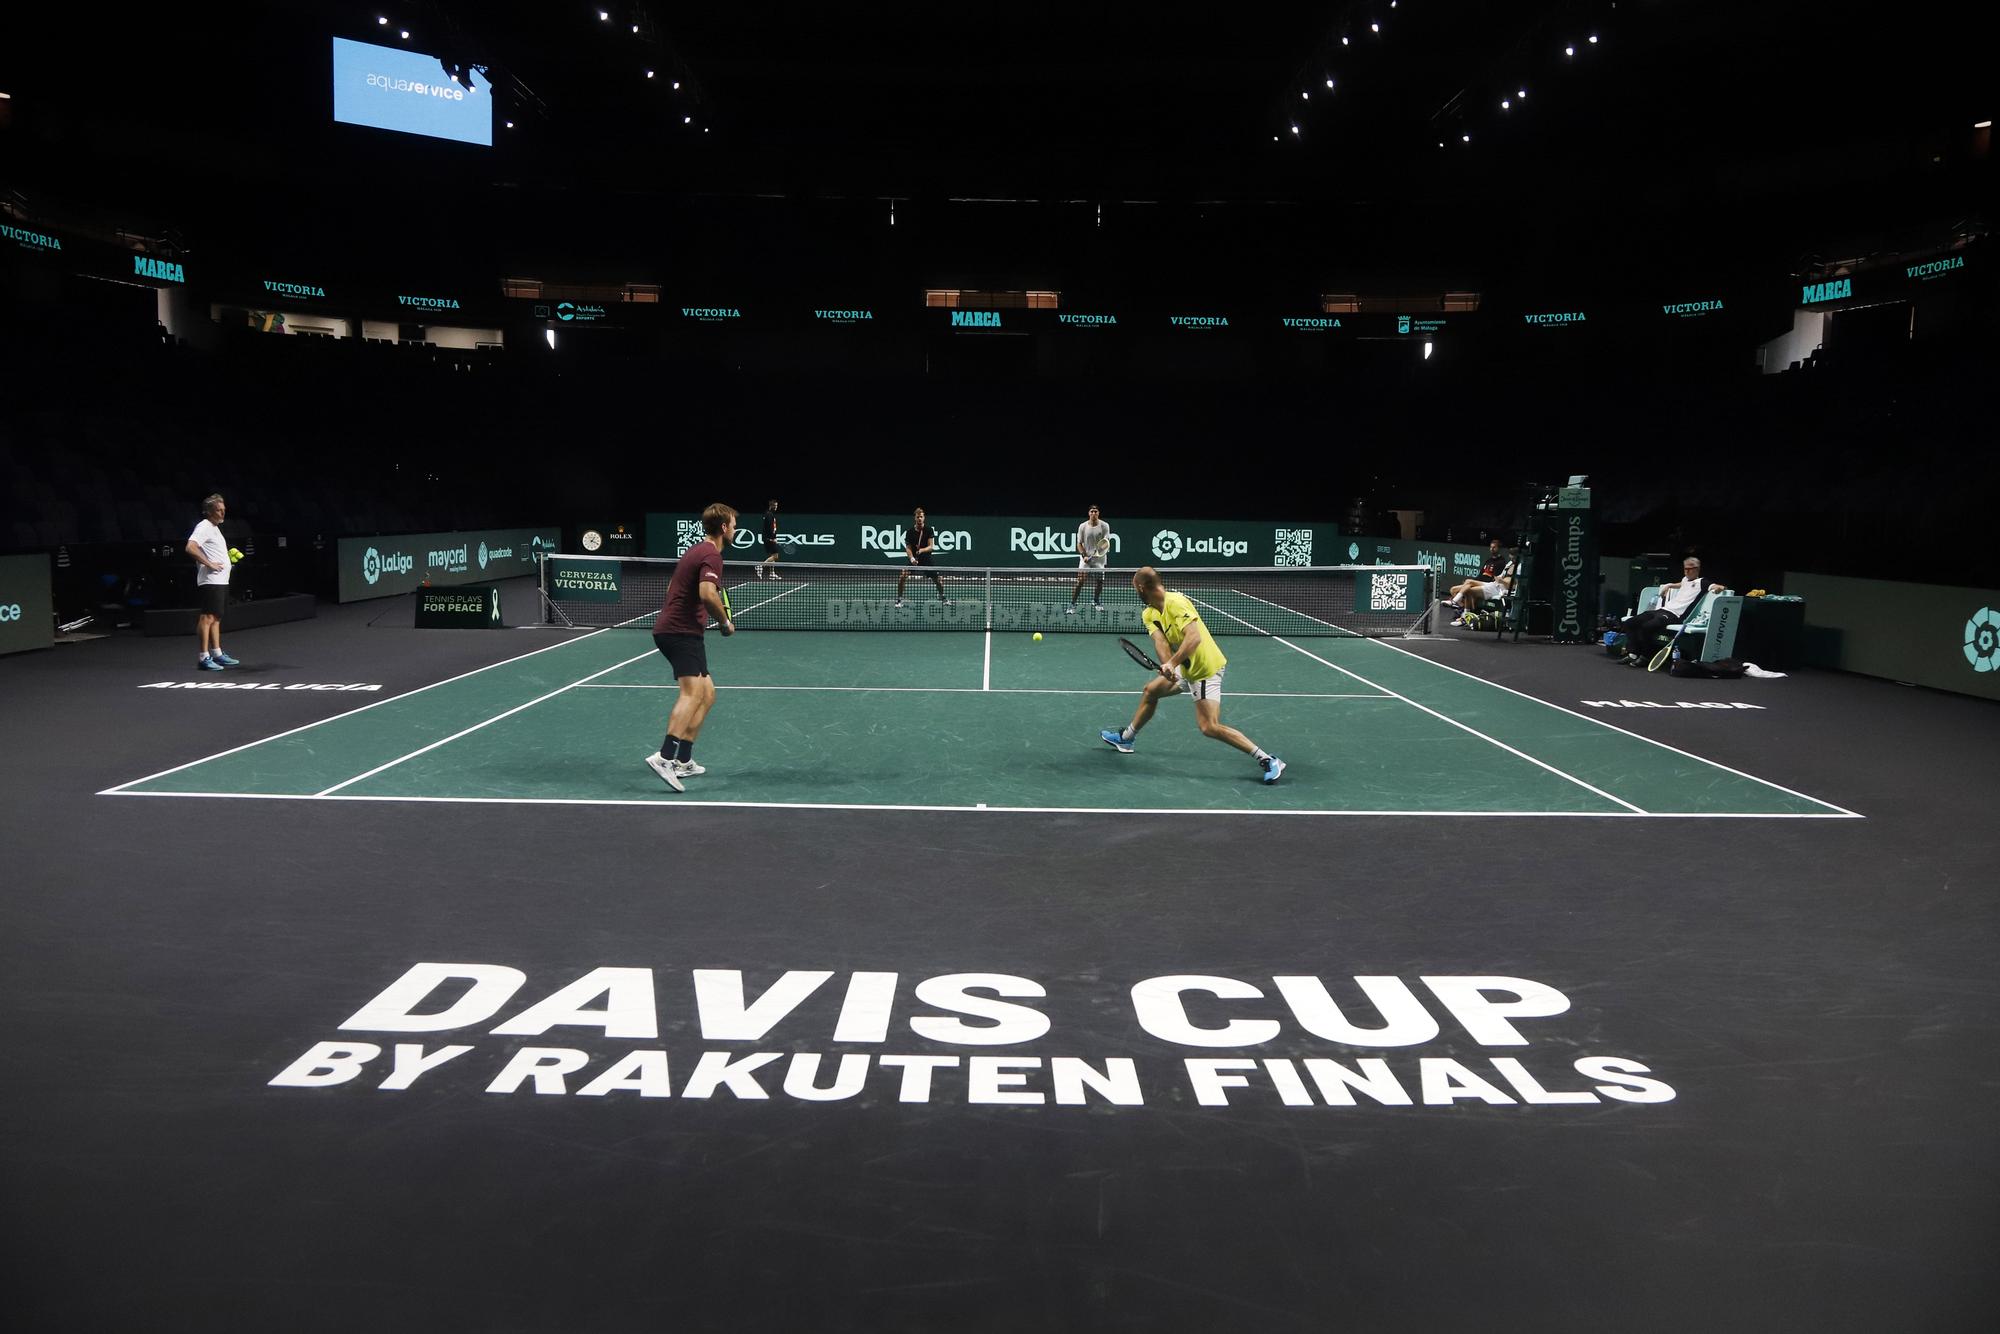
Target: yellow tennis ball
1038	636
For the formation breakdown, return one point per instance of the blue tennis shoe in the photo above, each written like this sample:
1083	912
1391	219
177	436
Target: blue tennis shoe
224	659
1272	768
1115	738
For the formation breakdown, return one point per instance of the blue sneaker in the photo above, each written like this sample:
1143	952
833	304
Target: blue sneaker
1115	738
1272	768
224	659
207	664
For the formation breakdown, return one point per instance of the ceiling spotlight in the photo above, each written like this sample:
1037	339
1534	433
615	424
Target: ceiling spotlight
1329	83
1305	96
1466	138
1505	105
1343	41
1427	351
687	120
510	124
1569	50
1977	124
635	27
677	85
649	74
406	34
704	129
1593	39
1274	138
381	22
604	16
1295	129
1521	93
1374	27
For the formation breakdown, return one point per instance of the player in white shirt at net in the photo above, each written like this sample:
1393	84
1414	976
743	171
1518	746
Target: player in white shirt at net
1093	550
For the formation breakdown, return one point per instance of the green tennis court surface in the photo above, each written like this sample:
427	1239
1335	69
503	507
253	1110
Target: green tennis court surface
883	720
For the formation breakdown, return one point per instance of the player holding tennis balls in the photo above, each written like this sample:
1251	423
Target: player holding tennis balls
214	556
1093	548
1190	661
694	593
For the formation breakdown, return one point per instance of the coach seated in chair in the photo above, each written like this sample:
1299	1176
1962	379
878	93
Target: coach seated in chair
1493	583
1645	630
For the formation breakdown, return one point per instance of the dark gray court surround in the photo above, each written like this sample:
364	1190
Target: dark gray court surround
1817	994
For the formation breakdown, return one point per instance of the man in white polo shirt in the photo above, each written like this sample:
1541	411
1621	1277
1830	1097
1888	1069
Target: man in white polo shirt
211	582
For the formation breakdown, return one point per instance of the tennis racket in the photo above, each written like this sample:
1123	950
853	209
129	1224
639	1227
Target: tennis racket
1666	650
728	626
1143	658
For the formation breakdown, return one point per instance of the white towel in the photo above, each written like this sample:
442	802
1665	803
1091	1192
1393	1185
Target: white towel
1752	669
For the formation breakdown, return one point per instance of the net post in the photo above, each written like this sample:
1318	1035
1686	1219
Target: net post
989	597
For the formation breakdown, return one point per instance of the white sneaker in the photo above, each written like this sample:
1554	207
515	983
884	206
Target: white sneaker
667	769
1069	610
899	602
688	769
759	573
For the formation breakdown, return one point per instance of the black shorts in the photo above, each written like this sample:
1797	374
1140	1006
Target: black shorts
687	654
770	546
214	597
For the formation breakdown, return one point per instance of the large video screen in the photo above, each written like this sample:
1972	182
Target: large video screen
408	91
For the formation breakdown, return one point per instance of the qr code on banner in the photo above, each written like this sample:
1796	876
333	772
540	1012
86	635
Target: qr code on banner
687	532
1295	546
1388	592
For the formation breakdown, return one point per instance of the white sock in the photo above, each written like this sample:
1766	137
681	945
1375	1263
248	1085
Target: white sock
1126	734
1262	756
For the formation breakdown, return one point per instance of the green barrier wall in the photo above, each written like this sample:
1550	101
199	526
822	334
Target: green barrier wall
1926	634
864	539
26	618
380	567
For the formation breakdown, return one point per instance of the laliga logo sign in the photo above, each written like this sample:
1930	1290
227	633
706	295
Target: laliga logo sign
374	564
1170	545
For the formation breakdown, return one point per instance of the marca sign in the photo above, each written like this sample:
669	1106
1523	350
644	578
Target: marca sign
160	270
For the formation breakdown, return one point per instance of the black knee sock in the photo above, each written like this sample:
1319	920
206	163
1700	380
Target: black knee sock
670	747
687	752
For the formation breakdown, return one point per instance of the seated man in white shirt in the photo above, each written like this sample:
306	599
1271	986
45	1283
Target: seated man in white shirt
1644	631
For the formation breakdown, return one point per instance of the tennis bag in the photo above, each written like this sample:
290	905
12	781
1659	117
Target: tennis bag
1720	669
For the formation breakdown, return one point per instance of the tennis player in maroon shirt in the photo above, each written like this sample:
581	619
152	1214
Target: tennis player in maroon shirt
694	593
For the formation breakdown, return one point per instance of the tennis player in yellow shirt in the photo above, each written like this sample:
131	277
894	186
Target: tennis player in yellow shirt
1190	661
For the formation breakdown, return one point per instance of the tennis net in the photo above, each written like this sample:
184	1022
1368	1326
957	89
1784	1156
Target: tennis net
1326	600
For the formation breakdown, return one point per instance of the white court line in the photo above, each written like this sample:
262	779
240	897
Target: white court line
795	588
119	790
1435	714
445	741
1610	727
665	802
968	690
327	792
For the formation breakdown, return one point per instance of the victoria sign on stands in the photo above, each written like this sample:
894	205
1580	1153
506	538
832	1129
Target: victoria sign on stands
380	567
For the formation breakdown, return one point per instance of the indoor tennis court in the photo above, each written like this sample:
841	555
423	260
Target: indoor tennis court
983	719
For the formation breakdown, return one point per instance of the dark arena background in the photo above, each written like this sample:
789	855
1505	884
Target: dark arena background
372	979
